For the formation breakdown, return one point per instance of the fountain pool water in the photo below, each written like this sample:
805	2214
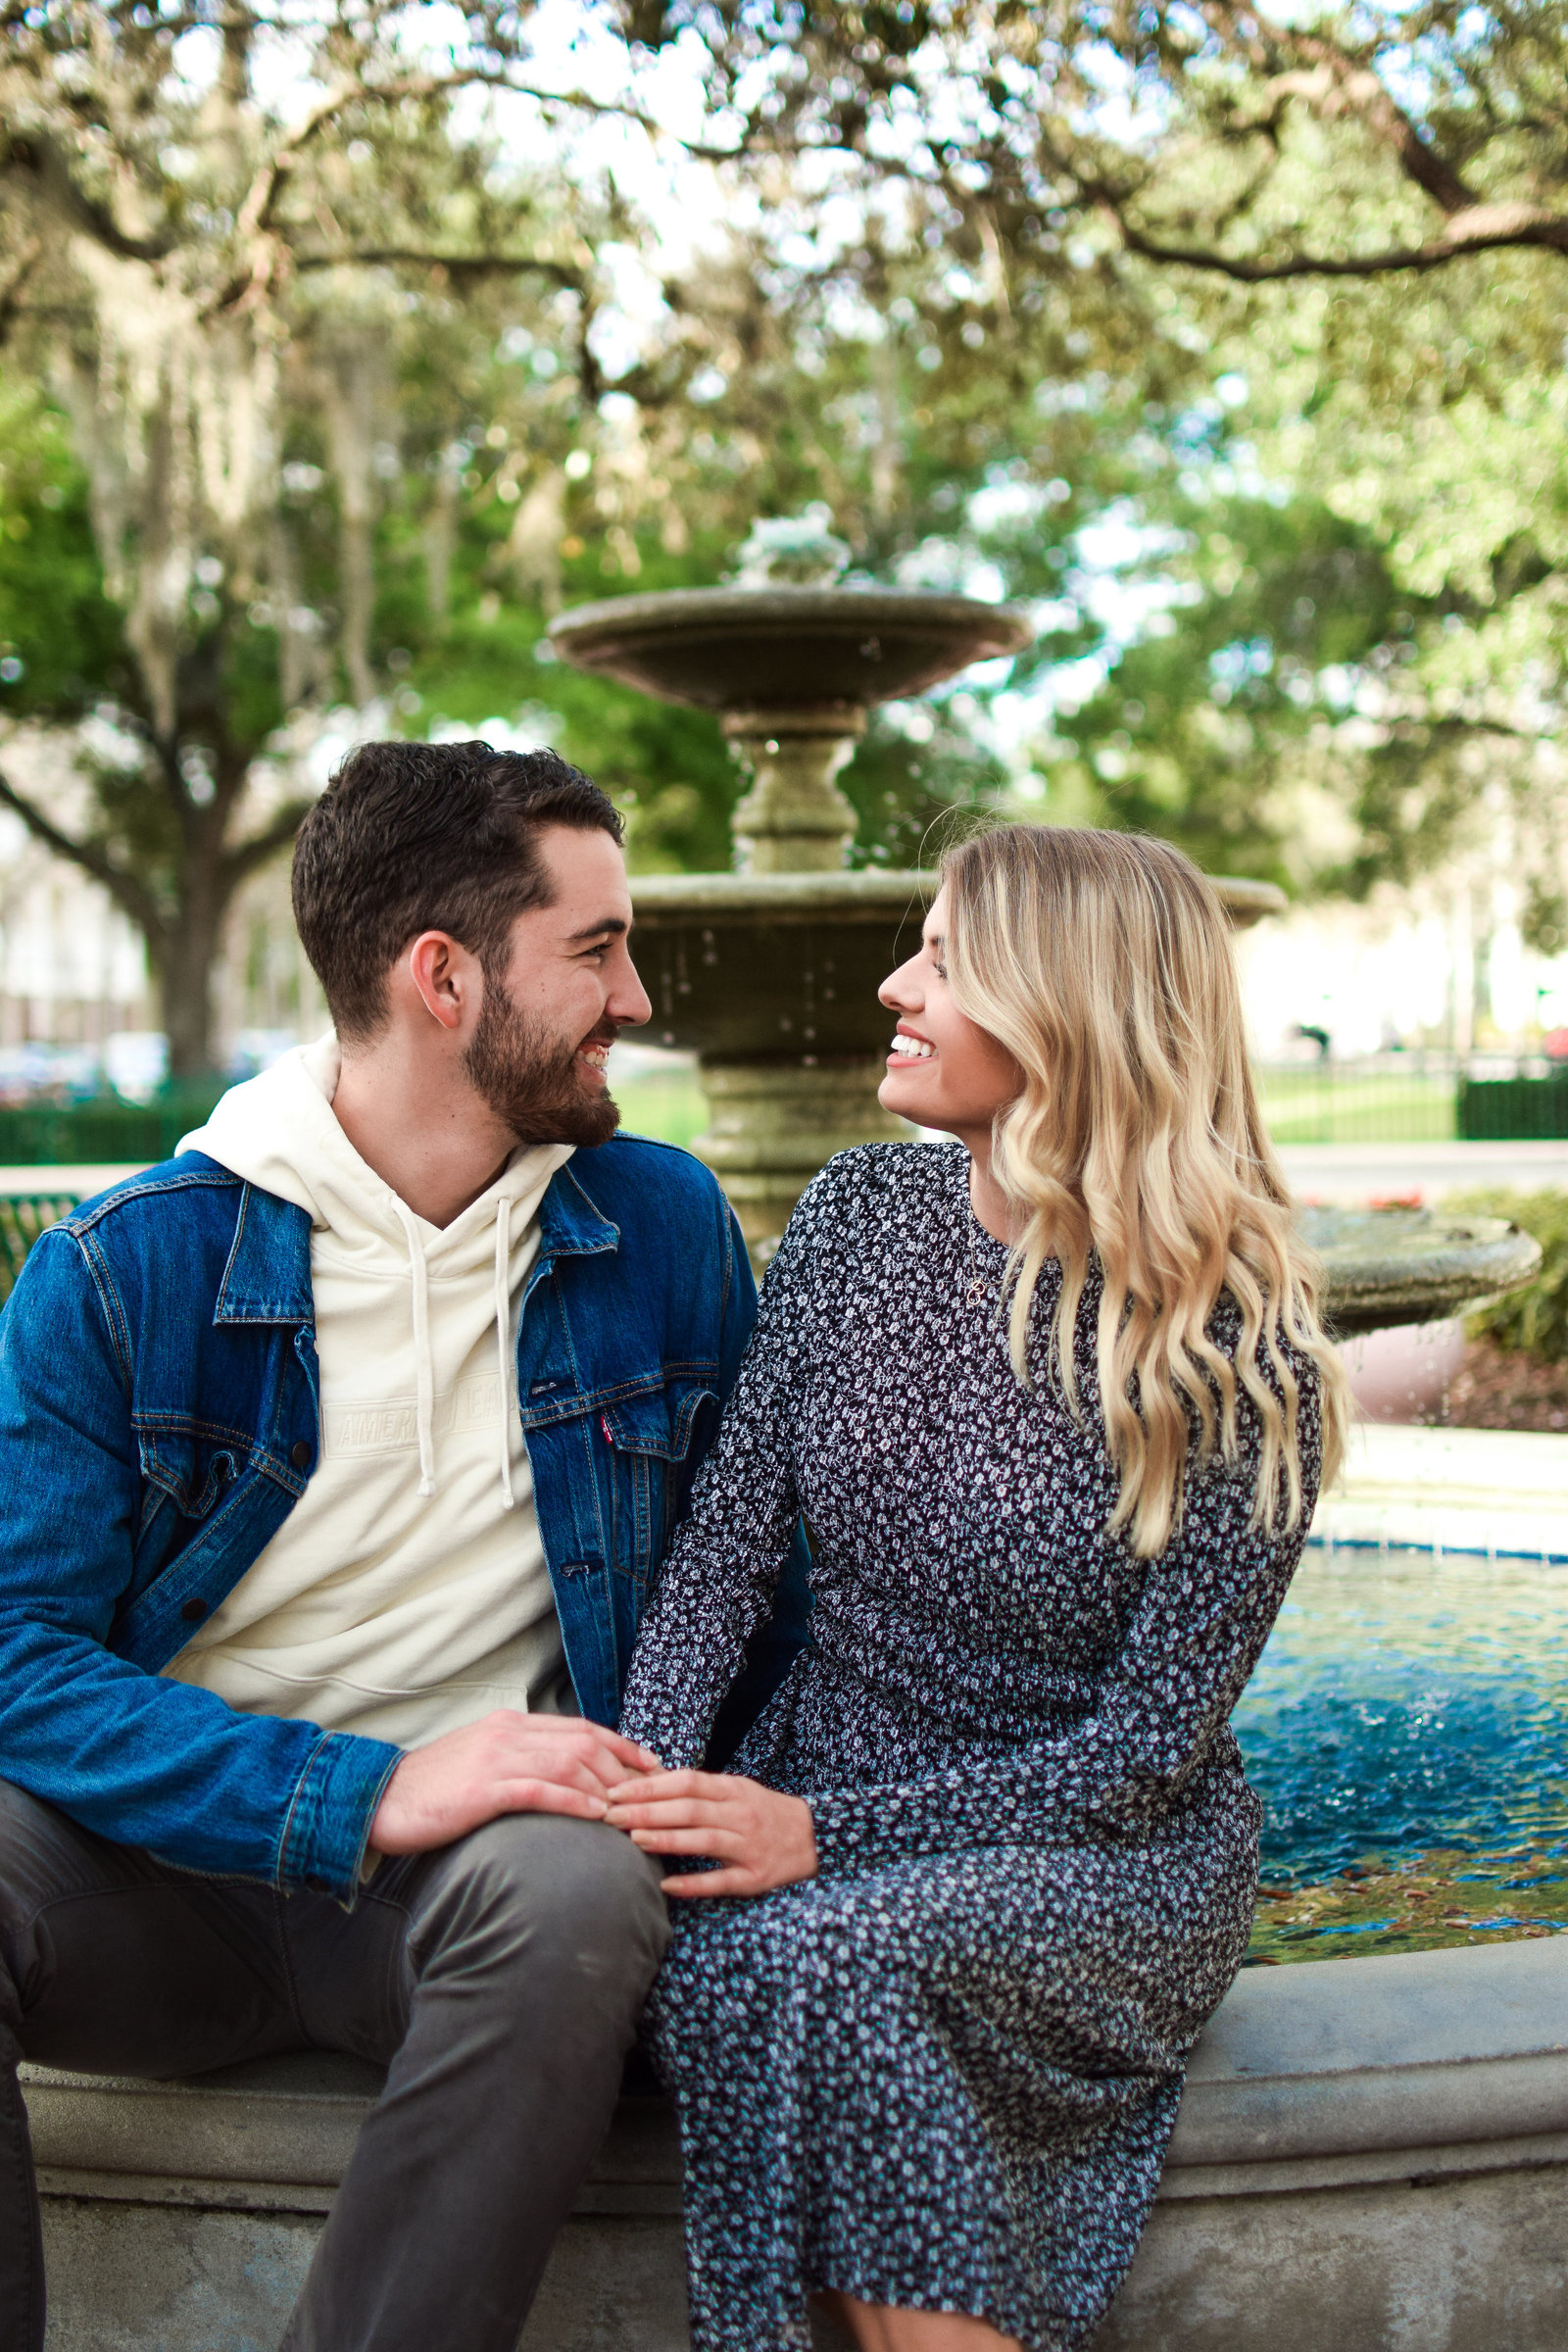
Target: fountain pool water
1407	1729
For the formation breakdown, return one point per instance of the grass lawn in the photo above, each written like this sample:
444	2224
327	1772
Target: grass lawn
1301	1107
1309	1107
667	1104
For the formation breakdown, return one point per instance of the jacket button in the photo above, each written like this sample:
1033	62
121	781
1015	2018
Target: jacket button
299	1453
194	1611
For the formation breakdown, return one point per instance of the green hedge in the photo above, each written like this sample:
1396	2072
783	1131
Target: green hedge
74	1134
1512	1110
1535	1318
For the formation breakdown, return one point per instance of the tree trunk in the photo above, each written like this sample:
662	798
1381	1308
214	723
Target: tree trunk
184	959
354	382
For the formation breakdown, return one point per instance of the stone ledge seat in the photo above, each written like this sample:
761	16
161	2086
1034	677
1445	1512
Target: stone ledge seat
1371	2155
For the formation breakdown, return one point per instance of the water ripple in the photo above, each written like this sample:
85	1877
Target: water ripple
1406	1703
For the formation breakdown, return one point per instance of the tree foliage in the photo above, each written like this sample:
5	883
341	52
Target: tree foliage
1348	143
219	299
316	392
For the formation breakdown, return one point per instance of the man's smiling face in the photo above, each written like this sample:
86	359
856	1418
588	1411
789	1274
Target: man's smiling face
554	1008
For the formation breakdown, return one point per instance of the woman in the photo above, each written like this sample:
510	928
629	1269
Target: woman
1054	1401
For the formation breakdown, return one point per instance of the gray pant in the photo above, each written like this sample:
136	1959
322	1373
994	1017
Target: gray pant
499	1979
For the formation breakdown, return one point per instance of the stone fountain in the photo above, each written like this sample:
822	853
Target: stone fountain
771	972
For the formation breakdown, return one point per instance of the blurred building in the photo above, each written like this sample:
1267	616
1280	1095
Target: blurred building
1448	969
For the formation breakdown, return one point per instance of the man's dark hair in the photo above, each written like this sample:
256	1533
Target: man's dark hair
411	837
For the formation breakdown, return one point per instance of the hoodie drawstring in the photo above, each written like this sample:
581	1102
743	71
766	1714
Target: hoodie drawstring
502	1341
419	1270
425	1411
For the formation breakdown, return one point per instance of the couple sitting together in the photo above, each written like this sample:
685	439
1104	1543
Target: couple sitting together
421	1557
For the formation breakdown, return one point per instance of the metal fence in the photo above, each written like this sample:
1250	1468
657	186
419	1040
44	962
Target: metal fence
1415	1098
1375	1099
1389	1099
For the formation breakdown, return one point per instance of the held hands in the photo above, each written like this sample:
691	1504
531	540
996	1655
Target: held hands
510	1762
761	1838
505	1763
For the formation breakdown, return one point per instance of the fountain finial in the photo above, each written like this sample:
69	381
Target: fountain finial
793	550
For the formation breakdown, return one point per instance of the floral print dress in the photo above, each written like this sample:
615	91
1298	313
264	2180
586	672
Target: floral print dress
944	2071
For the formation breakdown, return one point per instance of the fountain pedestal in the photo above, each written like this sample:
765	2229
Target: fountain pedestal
794	820
772	1124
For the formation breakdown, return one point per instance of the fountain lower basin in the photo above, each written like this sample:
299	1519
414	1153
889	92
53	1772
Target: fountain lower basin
786	963
773	979
1386	1266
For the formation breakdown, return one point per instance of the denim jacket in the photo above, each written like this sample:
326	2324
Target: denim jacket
159	1419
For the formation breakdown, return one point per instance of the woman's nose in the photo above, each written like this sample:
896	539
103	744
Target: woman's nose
899	991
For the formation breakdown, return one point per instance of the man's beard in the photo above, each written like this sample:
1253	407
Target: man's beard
531	1081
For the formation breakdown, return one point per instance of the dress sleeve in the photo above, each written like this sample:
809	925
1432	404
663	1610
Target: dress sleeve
724	1565
1208	1606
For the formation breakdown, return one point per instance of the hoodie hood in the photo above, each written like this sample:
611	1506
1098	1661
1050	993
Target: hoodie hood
278	1132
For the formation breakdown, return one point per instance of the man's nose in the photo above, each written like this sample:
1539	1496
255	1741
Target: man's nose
629	1001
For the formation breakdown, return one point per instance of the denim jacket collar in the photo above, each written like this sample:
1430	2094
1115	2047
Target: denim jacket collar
267	1277
570	1224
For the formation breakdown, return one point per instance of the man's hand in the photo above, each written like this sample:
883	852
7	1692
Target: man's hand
505	1763
761	1837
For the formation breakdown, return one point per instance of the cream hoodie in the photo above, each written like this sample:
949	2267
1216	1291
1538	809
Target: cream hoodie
406	1593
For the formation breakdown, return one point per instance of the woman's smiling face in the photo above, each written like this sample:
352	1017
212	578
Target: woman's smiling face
943	1070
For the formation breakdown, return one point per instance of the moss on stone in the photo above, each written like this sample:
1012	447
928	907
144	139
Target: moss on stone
1440	1901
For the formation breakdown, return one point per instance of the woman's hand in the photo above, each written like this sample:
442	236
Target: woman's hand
508	1762
761	1838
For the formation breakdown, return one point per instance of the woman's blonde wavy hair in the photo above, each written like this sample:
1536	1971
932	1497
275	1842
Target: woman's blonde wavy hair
1103	963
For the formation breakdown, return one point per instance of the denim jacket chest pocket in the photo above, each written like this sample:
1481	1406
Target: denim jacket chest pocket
648	1439
189	1475
186	1468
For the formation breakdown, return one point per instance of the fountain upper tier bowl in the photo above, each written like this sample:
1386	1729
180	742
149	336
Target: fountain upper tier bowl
830	651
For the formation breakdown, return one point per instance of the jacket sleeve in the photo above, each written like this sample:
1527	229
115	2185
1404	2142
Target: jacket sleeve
138	1758
724	1575
1208	1606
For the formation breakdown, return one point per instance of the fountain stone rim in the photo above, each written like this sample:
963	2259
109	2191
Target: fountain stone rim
611	635
1457	1260
864	892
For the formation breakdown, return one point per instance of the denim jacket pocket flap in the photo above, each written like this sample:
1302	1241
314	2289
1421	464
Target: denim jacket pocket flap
660	1423
192	1469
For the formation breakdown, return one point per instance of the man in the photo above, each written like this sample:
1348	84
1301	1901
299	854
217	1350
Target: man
339	1455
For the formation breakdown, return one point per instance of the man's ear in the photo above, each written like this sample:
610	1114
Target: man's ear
444	976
